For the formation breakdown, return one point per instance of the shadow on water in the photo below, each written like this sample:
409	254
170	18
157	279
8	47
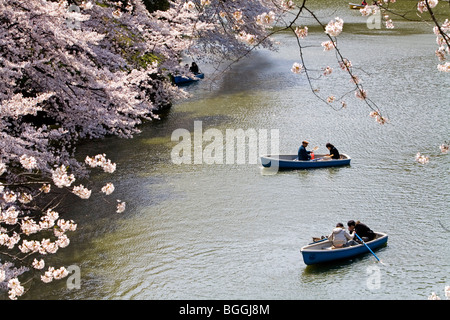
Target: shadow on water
263	74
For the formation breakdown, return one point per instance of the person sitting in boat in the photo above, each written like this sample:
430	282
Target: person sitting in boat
340	237
334	153
364	3
363	231
304	154
194	68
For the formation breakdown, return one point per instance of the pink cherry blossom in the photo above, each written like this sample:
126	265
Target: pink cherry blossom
297	68
334	27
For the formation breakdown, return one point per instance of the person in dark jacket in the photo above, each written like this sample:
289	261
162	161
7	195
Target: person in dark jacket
334	153
304	154
194	68
363	231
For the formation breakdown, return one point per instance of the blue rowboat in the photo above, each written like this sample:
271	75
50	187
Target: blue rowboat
287	161
186	80
356	6
320	252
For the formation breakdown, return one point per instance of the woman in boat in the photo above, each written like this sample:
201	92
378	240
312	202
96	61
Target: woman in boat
334	153
340	237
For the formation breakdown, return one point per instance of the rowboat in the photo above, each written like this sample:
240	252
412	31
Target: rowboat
181	80
356	6
288	161
321	251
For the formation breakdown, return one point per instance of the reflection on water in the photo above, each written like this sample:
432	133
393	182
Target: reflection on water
234	232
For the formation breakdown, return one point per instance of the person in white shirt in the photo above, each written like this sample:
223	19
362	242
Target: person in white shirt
340	237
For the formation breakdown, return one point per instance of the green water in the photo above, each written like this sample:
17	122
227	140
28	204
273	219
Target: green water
229	231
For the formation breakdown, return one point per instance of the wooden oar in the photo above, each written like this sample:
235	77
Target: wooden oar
368	248
316	239
324	157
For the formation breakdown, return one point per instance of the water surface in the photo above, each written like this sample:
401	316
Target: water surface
231	232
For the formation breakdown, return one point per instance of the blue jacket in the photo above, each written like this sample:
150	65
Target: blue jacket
303	154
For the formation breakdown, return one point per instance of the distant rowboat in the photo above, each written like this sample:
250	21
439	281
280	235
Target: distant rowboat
181	80
356	6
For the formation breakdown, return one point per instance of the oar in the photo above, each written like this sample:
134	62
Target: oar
317	239
368	248
324	157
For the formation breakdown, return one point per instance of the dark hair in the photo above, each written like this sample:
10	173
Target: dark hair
329	145
351	223
339	225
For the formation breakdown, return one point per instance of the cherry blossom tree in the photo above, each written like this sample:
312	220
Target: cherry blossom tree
425	11
73	70
68	72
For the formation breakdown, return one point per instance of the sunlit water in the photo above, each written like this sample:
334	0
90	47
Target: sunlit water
232	232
